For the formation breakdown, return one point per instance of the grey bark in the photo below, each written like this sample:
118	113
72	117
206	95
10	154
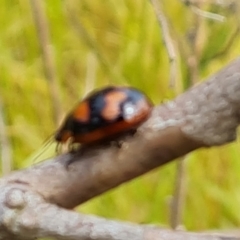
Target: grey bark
34	201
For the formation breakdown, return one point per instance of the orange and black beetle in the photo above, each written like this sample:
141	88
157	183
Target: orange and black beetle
104	114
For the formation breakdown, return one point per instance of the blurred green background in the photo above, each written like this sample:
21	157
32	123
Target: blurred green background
95	43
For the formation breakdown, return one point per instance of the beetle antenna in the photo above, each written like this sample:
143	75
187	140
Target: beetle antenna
44	147
58	148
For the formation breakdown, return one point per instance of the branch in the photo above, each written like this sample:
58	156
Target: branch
30	217
204	116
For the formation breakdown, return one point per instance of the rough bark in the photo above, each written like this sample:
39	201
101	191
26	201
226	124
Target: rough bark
33	201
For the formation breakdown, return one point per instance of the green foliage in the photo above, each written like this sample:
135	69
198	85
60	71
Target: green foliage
125	47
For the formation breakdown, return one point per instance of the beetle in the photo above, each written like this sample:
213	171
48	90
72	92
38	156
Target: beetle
104	114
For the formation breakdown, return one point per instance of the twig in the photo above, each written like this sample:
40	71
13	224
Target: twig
207	14
47	55
6	149
33	218
175	208
202	13
206	115
168	42
177	203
